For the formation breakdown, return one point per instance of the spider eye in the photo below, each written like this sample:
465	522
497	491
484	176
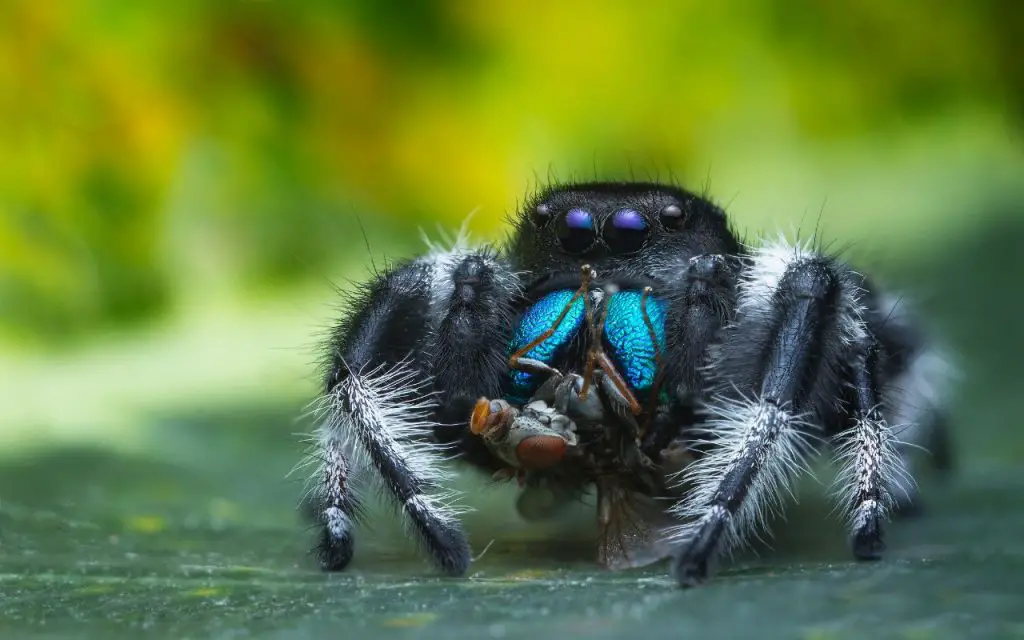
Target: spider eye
575	230
541	214
625	231
672	216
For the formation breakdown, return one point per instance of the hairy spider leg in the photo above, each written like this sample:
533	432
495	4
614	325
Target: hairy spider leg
399	372
700	305
876	467
799	342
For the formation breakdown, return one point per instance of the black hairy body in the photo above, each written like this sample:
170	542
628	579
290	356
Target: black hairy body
721	369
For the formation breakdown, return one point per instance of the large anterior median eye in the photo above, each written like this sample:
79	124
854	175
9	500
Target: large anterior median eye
625	231
576	230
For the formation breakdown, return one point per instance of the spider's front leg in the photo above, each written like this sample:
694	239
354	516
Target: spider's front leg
799	343
420	344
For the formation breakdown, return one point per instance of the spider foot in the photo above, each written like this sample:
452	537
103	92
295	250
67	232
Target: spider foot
693	565
867	537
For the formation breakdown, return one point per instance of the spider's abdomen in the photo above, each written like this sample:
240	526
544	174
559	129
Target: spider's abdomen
632	344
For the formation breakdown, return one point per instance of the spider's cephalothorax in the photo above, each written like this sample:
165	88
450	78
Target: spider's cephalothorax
623	338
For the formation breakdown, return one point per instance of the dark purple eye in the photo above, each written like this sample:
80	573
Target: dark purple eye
625	231
579	219
575	230
629	219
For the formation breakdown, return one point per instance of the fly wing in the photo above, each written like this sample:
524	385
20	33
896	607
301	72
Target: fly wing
631	527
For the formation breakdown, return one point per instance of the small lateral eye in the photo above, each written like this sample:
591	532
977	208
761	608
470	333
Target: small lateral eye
625	231
575	230
672	216
541	214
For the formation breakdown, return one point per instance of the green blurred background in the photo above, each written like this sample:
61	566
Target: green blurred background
182	182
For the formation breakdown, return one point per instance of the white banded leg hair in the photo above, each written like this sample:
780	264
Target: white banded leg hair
420	343
906	411
375	425
800	362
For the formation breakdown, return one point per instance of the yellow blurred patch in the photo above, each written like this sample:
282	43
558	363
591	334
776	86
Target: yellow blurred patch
145	524
222	509
205	592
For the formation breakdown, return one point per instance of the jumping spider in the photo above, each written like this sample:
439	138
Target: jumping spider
624	338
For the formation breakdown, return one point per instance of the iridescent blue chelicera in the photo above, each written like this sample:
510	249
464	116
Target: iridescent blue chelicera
538	319
631	345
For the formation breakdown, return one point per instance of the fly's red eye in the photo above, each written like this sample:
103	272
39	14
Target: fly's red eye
540	451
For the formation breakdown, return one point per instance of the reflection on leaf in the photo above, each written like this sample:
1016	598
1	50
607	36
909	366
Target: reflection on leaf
145	524
412	620
206	592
